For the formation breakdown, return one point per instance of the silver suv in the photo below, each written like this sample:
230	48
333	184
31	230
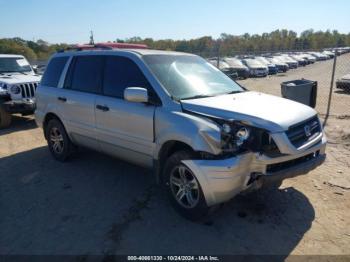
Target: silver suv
206	137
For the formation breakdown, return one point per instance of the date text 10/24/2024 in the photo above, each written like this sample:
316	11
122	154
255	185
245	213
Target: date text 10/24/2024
173	258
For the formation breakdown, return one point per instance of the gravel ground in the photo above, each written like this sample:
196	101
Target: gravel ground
95	204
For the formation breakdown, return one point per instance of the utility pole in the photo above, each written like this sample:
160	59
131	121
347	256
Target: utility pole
92	42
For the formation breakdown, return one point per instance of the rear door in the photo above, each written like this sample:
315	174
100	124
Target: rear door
125	129
48	89
82	84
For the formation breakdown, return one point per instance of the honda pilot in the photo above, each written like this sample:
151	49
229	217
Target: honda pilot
206	137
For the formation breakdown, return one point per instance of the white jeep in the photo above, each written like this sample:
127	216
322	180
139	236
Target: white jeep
18	83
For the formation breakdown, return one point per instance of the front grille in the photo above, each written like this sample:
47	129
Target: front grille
28	89
303	132
287	164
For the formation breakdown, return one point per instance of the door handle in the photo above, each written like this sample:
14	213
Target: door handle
62	99
102	108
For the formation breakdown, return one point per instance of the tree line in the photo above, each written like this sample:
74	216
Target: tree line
38	50
225	45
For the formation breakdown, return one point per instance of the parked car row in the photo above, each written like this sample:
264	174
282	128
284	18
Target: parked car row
246	66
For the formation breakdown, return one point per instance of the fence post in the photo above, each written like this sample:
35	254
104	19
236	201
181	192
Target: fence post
331	87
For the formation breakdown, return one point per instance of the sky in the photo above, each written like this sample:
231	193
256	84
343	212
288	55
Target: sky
70	21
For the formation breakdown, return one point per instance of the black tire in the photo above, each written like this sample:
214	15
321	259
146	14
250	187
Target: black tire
55	131
198	212
5	118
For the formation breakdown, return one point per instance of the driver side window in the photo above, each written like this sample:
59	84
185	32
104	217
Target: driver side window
120	73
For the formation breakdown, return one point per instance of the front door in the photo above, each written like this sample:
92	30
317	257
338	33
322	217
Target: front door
124	129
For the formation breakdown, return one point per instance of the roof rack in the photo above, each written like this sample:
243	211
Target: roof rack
105	46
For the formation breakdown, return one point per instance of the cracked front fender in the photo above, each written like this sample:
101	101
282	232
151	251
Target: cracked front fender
199	133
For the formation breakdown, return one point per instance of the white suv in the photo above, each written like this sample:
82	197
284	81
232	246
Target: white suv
18	83
205	136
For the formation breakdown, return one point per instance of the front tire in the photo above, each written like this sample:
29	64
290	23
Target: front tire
183	188
58	141
5	118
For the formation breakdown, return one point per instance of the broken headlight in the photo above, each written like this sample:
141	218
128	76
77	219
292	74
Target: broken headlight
234	136
237	137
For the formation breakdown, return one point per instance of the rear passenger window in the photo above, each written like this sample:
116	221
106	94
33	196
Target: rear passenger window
87	74
53	71
120	73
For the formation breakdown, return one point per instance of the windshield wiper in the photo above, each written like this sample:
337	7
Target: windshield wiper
235	92
196	97
14	72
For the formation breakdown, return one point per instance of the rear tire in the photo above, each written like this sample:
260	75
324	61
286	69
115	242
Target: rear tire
5	118
183	188
58	141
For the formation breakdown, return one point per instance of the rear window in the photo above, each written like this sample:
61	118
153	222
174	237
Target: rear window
53	71
87	74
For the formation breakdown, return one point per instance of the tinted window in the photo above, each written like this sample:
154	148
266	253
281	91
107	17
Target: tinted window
120	73
86	74
53	71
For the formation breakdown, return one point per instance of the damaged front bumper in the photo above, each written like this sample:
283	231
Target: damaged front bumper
222	179
20	106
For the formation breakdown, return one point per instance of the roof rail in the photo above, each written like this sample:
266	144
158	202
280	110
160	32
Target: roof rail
106	46
121	45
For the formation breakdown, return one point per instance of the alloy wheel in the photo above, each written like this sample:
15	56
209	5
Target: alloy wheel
184	186
56	140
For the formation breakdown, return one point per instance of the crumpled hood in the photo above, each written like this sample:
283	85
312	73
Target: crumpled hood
260	110
18	78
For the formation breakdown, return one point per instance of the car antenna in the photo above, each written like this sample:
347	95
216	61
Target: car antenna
92	41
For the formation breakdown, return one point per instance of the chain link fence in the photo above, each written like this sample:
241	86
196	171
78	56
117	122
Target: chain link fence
332	76
340	90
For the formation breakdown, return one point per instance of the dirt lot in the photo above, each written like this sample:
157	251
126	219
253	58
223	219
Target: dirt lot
95	204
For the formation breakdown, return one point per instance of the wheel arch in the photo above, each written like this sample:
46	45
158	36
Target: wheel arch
166	150
49	116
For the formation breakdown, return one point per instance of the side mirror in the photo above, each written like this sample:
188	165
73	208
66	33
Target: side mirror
136	94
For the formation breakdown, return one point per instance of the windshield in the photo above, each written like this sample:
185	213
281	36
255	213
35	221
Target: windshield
222	64
186	77
253	62
14	64
263	60
234	62
289	59
277	60
281	58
